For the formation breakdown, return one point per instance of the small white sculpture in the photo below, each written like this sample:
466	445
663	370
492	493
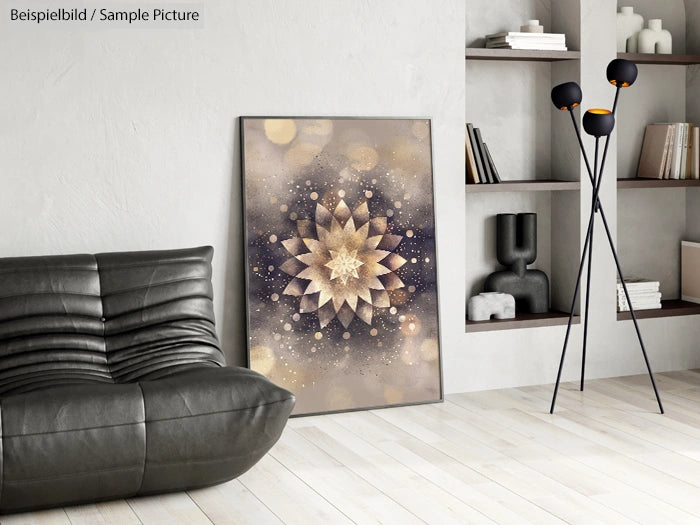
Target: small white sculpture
532	26
629	25
654	39
481	307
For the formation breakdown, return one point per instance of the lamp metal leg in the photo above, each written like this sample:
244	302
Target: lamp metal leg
590	265
585	319
586	244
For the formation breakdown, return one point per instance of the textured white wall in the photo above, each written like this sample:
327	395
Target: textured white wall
126	139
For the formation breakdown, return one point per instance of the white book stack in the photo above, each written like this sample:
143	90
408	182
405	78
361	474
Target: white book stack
644	294
522	40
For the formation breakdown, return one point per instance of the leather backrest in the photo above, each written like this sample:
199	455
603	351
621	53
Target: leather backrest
111	317
158	311
50	322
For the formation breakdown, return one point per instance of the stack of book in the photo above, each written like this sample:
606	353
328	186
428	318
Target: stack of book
520	40
480	166
644	294
670	151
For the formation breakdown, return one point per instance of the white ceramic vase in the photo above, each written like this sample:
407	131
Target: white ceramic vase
629	24
655	39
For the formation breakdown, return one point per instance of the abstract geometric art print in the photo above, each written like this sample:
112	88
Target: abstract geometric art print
341	270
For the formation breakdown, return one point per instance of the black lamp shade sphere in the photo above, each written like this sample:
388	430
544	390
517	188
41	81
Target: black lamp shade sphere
621	72
567	95
598	122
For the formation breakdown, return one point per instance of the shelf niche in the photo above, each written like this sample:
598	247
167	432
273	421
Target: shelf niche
651	224
532	145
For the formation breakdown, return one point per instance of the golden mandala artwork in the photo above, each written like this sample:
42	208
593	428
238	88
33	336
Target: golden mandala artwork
343	264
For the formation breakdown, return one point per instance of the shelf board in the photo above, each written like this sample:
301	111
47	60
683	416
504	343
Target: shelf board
651	58
671	308
523	55
668	309
522	321
656	183
525	185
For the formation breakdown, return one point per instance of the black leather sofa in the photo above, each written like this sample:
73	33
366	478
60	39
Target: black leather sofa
112	382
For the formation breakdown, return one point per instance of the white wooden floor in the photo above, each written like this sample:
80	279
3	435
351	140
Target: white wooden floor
605	456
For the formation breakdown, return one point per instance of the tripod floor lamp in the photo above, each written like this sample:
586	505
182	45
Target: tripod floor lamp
598	123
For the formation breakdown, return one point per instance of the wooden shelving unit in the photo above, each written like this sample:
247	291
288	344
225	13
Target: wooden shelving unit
529	194
665	97
507	97
481	53
671	308
525	185
656	183
670	60
521	321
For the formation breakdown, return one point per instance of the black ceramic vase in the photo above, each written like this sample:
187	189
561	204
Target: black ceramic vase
516	247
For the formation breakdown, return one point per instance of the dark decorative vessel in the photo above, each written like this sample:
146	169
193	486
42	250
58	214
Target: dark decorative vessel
516	238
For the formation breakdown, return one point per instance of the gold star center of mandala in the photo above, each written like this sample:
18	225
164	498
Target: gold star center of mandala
344	264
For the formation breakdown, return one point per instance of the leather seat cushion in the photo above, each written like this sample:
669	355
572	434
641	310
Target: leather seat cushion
91	442
71	443
209	425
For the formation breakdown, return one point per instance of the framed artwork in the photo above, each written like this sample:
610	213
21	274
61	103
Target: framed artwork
341	271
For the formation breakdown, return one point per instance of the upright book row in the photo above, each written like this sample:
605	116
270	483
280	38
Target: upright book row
670	151
480	166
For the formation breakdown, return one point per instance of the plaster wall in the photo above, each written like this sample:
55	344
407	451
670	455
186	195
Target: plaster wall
127	138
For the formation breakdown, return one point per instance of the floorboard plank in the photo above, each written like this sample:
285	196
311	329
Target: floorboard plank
40	517
287	496
517	477
427	501
656	487
107	512
351	494
232	504
168	509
